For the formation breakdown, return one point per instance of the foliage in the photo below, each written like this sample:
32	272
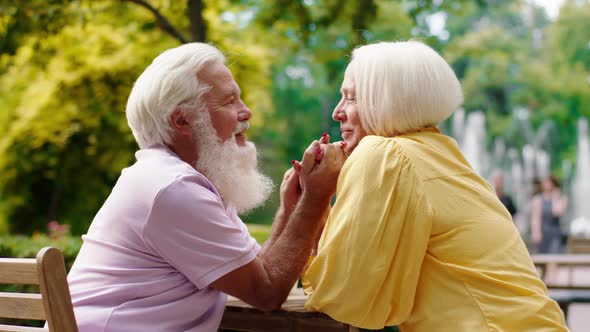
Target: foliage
61	108
509	55
19	246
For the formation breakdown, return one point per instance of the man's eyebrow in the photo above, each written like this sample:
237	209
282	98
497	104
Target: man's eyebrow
232	93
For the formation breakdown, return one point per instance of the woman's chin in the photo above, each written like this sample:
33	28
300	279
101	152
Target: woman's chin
349	148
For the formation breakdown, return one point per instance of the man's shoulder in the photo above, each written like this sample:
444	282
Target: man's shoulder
163	168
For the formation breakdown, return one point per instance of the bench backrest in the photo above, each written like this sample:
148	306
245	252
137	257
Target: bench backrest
54	304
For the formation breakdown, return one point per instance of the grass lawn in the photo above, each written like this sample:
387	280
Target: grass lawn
259	232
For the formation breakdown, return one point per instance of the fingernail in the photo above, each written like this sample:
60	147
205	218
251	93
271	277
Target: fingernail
342	144
318	151
324	135
293	162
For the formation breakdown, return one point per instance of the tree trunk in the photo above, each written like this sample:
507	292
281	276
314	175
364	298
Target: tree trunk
195	10
162	21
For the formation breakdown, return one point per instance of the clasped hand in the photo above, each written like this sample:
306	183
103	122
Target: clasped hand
316	175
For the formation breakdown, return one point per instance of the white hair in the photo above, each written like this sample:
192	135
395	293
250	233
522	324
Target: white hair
402	86
169	82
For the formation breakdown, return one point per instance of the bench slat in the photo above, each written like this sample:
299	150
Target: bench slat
12	328
21	306
22	271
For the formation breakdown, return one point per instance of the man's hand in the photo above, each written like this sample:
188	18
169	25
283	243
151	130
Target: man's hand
290	192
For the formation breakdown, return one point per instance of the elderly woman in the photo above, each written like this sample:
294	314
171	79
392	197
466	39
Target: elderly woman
415	237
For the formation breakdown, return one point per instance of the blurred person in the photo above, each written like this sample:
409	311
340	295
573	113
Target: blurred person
168	245
498	184
536	187
548	207
416	238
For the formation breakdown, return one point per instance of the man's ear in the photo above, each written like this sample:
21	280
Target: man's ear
181	122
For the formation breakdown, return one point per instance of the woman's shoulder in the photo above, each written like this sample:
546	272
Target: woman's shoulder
378	152
391	146
377	146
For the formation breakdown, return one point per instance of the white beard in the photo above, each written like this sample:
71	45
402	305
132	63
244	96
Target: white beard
231	168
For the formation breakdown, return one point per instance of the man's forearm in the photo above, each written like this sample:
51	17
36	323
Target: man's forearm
278	226
287	256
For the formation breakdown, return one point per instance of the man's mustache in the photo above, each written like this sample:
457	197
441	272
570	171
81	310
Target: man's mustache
242	127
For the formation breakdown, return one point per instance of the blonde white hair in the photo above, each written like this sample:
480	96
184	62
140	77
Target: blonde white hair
168	83
402	86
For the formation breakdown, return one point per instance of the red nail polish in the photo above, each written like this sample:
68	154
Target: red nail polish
318	151
293	162
324	134
342	144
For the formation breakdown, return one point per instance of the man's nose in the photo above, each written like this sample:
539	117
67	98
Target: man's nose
245	113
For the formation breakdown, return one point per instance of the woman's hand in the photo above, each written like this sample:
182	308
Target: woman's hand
320	167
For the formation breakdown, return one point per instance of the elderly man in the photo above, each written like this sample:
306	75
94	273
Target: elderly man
167	245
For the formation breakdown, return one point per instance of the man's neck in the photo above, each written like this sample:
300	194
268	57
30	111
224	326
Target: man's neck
185	152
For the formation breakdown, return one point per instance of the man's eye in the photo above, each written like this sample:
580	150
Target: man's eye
230	102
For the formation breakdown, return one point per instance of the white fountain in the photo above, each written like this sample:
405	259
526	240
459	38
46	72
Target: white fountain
473	143
580	225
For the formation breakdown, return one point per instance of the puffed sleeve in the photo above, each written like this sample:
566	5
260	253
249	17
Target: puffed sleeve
371	251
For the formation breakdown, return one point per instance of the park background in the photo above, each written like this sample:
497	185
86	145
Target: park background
67	67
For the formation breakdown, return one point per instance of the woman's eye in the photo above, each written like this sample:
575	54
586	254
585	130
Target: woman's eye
351	99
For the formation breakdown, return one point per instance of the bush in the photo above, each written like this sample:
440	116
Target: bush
27	247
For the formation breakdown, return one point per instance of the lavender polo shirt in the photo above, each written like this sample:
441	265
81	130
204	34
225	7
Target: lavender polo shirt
160	239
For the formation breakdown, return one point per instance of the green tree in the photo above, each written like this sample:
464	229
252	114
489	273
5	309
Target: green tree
64	89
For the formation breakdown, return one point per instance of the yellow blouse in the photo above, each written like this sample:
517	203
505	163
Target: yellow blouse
417	239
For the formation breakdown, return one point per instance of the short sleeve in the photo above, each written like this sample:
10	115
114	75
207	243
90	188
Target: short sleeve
190	228
371	251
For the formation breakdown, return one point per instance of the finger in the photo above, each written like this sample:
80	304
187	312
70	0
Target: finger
293	179
334	153
325	139
309	157
296	167
288	173
319	154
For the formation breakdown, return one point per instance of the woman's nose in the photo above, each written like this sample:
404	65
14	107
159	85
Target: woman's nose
338	114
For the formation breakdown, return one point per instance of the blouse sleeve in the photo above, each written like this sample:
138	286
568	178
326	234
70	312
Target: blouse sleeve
371	251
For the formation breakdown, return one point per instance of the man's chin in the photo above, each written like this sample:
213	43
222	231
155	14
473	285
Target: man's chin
241	140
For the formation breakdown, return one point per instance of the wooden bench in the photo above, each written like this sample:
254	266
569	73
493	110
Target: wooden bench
564	293
565	297
240	316
53	304
578	245
547	262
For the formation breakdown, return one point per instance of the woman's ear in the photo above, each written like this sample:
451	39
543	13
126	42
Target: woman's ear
181	122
